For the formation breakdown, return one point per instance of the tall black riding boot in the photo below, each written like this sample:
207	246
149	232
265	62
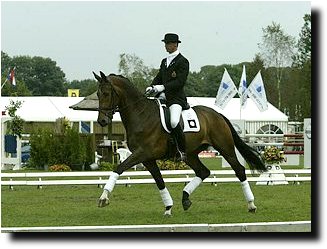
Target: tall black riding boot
178	135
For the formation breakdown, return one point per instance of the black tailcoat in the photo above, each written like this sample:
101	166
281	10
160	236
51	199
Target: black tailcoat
173	78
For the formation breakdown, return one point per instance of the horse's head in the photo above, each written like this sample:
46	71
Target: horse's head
108	99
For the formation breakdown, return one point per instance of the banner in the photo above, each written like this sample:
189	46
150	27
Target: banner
257	93
73	92
242	89
226	91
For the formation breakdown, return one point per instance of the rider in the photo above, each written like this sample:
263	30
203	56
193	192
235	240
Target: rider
169	83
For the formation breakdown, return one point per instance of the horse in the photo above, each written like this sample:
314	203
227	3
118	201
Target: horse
148	141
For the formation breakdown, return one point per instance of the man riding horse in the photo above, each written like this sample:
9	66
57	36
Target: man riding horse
169	84
141	118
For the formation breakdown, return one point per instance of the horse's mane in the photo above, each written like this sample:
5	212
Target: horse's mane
128	85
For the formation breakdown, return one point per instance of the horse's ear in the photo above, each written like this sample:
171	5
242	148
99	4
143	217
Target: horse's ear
103	77
98	78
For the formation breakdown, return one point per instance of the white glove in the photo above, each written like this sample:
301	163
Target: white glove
154	89
149	90
158	88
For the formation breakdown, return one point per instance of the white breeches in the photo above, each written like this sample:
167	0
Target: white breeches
175	114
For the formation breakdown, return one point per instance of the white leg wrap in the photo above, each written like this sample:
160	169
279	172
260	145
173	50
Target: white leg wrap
192	185
166	198
247	191
111	182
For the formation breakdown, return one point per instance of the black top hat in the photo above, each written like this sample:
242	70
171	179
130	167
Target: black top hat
170	37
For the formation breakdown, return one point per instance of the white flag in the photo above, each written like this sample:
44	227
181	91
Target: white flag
257	93
226	91
242	89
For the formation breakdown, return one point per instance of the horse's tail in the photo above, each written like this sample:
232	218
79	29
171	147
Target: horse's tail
252	156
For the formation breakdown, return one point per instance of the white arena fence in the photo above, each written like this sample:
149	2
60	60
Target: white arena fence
128	178
290	226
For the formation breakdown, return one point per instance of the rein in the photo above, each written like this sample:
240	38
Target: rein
109	112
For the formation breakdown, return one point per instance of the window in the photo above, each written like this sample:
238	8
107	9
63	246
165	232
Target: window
269	129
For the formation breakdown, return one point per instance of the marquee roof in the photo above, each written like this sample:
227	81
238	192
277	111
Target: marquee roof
48	109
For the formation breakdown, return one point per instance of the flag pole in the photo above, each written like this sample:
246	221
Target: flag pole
4	83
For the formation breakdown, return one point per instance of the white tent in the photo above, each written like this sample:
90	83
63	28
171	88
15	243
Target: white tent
48	109
249	113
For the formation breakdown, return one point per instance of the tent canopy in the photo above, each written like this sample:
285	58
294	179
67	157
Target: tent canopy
48	109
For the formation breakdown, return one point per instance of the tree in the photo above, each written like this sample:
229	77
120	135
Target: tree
15	125
86	87
133	68
19	90
304	44
5	63
41	75
302	61
277	51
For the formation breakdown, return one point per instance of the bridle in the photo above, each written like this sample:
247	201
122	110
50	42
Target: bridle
113	107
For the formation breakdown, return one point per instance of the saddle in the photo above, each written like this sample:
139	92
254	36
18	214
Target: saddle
189	120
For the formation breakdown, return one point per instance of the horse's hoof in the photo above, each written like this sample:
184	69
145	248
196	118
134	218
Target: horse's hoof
186	204
167	213
251	207
252	210
103	202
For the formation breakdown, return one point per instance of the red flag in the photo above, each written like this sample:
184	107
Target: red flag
11	77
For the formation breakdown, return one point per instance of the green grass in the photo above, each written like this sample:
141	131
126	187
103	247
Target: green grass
141	204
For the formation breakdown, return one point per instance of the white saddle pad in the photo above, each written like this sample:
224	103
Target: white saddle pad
189	117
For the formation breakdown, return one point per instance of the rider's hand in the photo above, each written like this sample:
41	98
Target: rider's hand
159	88
149	90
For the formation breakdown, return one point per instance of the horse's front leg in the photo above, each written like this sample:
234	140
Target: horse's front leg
132	160
164	193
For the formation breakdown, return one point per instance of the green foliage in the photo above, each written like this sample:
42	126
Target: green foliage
304	44
15	125
41	142
70	148
19	90
170	165
106	166
41	75
86	87
59	168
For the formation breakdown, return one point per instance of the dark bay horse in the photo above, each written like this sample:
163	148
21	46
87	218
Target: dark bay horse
148	141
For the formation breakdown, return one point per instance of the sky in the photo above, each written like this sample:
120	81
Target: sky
89	36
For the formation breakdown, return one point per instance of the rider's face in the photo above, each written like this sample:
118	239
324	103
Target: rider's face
171	47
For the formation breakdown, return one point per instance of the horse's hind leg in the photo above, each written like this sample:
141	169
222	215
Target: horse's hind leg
201	172
231	158
164	193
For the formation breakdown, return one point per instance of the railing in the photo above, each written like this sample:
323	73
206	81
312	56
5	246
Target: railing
139	177
281	140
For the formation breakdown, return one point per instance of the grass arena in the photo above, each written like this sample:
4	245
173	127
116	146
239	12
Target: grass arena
281	208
